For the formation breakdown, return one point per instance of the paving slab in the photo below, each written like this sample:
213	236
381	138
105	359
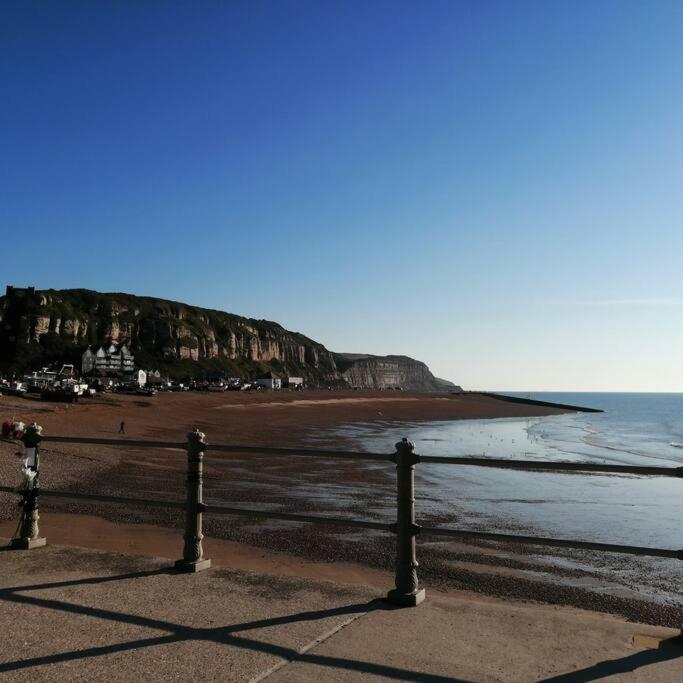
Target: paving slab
74	614
473	639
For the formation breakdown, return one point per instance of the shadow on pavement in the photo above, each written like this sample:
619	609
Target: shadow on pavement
668	649
224	635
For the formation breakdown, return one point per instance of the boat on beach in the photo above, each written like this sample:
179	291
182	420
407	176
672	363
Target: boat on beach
13	389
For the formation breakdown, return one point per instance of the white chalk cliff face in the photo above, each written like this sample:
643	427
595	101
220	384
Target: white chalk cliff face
164	333
388	372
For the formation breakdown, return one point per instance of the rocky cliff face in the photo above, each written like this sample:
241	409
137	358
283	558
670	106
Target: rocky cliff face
388	372
56	326
160	333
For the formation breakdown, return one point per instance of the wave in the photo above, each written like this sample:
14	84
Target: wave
675	444
621	449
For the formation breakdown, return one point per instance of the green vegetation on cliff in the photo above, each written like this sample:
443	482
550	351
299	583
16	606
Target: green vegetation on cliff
58	325
45	327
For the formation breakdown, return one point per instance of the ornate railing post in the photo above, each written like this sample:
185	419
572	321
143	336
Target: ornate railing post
29	533
407	592
193	554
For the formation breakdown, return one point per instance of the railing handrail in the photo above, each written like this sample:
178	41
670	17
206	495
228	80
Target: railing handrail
515	464
553	542
380	526
104	499
138	443
407	591
474	461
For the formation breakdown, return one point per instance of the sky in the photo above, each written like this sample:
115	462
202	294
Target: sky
495	188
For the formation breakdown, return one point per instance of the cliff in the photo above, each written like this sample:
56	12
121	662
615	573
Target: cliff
46	326
41	327
389	372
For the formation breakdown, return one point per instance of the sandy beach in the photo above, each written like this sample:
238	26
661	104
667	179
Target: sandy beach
352	488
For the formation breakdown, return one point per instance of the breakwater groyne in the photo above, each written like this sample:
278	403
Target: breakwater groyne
534	402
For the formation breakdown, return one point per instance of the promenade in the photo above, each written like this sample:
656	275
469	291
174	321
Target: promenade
70	613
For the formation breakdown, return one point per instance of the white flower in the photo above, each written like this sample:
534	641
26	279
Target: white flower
26	480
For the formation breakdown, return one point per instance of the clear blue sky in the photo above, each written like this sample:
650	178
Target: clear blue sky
493	187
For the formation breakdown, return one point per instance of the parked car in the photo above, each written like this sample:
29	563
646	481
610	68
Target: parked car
14	389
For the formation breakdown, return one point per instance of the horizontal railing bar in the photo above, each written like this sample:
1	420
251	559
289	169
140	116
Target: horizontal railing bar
505	463
217	509
304	452
105	499
137	443
424	531
553	542
221	510
501	463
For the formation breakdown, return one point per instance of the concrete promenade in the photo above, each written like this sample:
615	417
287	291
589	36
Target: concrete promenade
69	613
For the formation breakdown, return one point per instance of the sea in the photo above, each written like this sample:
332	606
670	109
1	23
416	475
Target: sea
634	429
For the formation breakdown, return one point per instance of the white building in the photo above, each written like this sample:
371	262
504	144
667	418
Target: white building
295	382
112	359
269	381
139	377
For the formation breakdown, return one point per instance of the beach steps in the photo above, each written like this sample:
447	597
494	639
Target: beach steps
82	614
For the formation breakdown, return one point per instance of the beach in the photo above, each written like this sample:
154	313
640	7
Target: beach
357	489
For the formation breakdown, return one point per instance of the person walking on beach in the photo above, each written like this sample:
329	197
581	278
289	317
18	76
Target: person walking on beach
122	428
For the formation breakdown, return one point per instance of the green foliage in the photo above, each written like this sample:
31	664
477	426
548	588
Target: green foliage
152	323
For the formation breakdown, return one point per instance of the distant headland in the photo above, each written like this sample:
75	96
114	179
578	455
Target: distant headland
45	327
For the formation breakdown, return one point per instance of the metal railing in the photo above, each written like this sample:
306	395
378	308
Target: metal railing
407	590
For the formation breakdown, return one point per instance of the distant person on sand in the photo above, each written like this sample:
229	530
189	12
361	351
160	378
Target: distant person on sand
122	428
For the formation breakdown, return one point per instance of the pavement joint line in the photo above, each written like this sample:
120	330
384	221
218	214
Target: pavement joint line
312	645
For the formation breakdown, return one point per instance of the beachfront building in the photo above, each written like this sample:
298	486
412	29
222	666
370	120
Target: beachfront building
138	377
114	358
269	381
294	382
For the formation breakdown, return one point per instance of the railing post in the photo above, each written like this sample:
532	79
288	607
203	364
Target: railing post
29	533
193	554
407	592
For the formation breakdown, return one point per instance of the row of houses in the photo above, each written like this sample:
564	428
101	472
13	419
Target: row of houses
117	360
112	359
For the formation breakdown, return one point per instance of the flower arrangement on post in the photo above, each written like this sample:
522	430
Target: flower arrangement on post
26	483
13	429
30	437
27	486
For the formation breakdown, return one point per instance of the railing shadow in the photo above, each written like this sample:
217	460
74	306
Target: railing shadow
85	582
222	635
668	649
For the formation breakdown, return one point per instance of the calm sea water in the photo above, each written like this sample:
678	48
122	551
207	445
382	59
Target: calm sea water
643	429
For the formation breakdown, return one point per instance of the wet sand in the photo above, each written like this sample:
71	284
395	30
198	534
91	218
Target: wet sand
265	418
357	489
